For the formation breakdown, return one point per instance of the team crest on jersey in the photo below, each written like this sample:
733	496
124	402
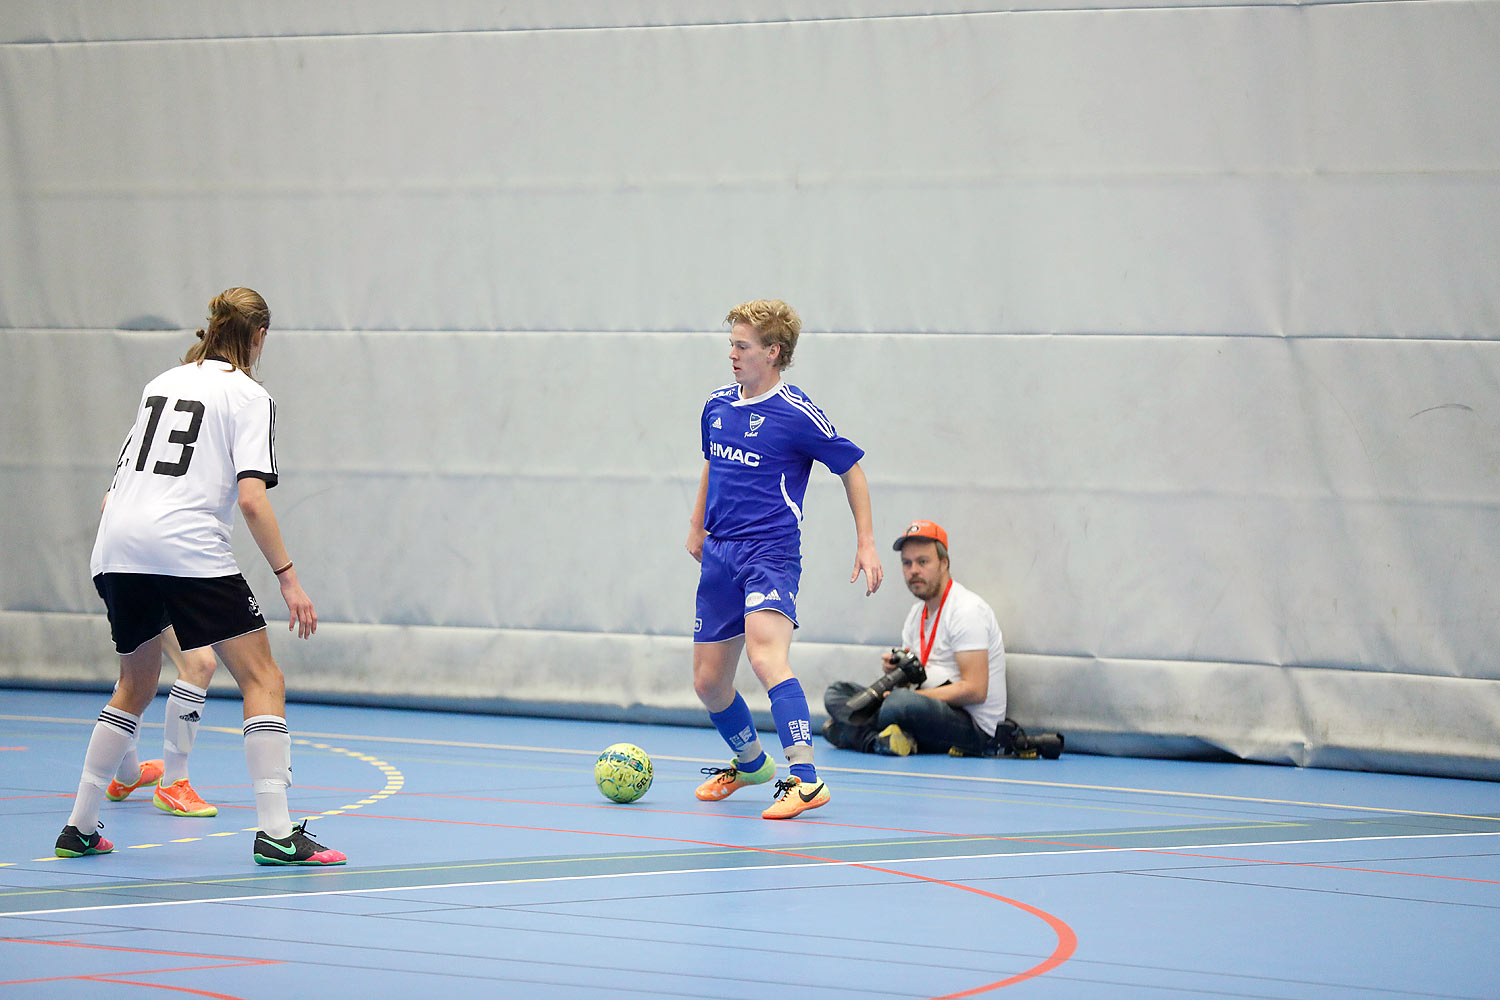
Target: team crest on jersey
755	421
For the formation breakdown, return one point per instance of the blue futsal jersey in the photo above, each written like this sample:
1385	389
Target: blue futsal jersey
760	453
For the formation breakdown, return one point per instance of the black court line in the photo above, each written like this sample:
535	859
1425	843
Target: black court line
706	856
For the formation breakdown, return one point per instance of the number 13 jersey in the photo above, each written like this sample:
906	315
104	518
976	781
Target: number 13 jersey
200	429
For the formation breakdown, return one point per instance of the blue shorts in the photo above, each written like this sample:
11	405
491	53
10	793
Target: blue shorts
739	576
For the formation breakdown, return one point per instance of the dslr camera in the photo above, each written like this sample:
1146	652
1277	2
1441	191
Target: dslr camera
863	707
1013	741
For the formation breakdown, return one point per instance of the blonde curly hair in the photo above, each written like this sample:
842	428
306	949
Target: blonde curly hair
774	322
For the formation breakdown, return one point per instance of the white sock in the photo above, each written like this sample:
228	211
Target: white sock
184	715
112	736
268	752
750	751
130	765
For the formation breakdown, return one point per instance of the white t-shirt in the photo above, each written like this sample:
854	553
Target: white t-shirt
966	623
199	431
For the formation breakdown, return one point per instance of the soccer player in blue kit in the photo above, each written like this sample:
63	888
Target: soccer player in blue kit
760	439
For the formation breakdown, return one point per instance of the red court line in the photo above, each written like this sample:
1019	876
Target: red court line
1315	864
137	951
943	833
47	795
219	962
161	986
1067	940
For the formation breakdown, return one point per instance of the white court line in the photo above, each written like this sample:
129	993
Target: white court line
811	863
416	741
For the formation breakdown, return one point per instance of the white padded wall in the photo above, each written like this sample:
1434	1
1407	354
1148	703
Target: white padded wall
1182	320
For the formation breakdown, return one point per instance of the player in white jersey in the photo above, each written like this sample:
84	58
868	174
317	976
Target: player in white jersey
203	443
760	438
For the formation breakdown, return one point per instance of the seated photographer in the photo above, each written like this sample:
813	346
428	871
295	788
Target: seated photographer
957	675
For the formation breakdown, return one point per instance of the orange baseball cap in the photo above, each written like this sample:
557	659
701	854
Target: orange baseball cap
930	530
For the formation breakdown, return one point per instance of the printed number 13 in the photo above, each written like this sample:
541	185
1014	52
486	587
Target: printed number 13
184	436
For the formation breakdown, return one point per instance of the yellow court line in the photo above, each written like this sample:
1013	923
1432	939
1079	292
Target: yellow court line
321	872
574	859
1212	796
919	774
813	863
1091	834
394	780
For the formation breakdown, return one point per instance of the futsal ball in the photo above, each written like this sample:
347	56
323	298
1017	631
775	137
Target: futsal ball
623	772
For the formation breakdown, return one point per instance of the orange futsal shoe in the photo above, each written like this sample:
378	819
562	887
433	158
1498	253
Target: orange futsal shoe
793	797
150	775
179	799
724	780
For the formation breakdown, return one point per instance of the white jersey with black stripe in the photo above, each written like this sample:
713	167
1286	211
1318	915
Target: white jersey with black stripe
199	430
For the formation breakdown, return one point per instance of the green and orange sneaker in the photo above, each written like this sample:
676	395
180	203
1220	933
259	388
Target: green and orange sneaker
150	774
794	797
179	799
723	781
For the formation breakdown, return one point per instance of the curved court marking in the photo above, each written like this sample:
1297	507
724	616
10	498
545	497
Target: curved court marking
1067	940
394	782
394	779
1211	796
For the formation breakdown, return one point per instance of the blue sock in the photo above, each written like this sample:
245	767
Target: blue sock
794	726
738	730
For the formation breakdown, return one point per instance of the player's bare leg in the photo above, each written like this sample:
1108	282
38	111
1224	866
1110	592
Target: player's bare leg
768	641
268	753
134	773
139	673
714	666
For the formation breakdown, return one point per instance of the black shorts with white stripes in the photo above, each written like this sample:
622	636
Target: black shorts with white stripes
203	610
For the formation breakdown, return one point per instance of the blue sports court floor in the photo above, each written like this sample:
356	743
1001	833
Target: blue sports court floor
483	863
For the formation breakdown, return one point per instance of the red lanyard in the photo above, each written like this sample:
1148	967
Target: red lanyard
924	642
